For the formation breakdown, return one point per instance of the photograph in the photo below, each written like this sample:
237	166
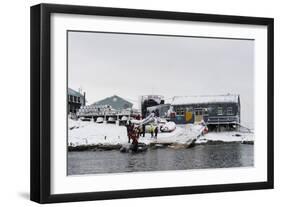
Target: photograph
133	103
156	102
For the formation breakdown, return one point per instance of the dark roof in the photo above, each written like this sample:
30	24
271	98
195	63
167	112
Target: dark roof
115	102
74	93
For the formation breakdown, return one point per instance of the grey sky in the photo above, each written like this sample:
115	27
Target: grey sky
104	64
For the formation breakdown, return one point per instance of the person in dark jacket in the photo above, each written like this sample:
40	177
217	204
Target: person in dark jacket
129	128
134	135
156	112
151	131
143	130
155	132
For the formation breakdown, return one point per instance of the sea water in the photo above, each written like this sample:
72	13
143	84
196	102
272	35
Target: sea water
198	157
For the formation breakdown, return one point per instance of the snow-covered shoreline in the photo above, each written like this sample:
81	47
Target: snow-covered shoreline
227	137
85	134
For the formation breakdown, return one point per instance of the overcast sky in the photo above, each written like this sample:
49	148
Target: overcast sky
104	64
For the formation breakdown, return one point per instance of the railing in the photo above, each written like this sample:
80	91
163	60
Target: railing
106	113
222	120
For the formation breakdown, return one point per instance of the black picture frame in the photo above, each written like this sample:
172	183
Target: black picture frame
41	98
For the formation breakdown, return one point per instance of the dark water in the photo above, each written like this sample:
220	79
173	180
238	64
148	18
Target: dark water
198	157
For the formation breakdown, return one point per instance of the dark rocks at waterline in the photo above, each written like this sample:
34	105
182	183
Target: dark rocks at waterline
97	147
158	146
175	145
247	142
109	147
216	142
219	142
141	147
155	145
124	149
179	146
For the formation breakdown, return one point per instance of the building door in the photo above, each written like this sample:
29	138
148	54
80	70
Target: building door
198	114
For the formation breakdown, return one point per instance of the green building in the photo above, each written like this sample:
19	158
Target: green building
115	102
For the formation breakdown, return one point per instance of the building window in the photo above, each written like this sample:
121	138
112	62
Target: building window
198	112
188	109
220	111
125	106
211	109
229	111
78	99
205	112
75	99
180	111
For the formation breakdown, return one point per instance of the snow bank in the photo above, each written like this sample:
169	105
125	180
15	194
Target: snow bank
168	127
90	133
96	133
227	137
72	124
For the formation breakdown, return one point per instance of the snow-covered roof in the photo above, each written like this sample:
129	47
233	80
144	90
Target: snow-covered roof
116	102
74	93
183	100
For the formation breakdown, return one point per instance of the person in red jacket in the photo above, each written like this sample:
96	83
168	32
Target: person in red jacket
134	135
129	127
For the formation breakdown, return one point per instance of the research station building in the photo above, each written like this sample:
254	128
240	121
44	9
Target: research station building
216	111
75	100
